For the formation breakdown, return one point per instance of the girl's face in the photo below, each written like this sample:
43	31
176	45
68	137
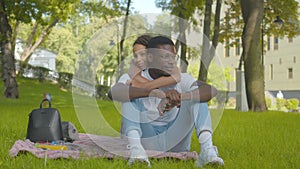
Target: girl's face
140	56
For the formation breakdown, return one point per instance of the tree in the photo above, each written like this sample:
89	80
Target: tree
205	58
14	12
184	10
209	52
252	12
123	37
257	16
8	64
40	17
49	14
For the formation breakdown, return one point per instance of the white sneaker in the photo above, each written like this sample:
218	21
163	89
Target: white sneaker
138	153
209	156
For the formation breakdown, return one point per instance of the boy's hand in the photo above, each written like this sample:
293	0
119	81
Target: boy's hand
164	106
172	99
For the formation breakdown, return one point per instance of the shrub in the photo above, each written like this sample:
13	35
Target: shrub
280	103
213	102
102	91
40	73
269	102
231	102
292	104
65	79
27	70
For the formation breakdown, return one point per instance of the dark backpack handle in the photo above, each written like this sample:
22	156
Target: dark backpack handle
44	100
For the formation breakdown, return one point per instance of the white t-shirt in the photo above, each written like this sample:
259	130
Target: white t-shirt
151	115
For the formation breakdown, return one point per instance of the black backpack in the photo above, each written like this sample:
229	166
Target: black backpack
44	124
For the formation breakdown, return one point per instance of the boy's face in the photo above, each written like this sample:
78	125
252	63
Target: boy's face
140	56
163	58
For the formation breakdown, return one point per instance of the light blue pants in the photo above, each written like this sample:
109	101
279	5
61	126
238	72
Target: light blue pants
174	136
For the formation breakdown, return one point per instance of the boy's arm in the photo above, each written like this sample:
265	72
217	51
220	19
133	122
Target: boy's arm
203	93
122	92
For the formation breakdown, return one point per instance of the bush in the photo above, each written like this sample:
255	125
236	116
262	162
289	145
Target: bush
269	102
27	70
213	102
231	102
65	79
280	103
40	73
292	104
102	91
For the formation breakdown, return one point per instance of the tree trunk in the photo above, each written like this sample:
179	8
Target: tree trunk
15	35
29	40
252	11
205	58
182	42
215	39
123	38
29	49
8	64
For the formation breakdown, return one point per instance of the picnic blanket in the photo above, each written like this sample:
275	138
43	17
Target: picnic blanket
94	146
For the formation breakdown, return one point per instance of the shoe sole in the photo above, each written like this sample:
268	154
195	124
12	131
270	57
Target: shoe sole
215	164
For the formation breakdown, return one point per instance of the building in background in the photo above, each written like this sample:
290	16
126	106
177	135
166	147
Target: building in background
39	58
43	58
281	62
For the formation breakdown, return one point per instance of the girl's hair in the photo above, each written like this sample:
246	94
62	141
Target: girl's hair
142	40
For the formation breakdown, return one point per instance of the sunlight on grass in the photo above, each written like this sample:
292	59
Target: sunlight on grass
244	139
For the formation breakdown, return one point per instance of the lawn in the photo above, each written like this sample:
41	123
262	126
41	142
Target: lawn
244	139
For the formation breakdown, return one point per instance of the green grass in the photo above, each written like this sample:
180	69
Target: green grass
244	139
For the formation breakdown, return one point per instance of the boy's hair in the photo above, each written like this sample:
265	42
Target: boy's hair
159	40
142	40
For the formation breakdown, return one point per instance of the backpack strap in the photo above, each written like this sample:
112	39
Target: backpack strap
44	100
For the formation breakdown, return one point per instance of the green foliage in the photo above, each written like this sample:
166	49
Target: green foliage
292	104
228	30
41	11
268	102
67	41
232	25
212	102
218	76
280	103
28	18
182	8
40	73
65	79
78	21
102	91
231	102
162	25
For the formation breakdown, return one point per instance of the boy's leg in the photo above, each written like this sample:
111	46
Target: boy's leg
131	116
132	130
180	130
209	152
193	114
151	138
